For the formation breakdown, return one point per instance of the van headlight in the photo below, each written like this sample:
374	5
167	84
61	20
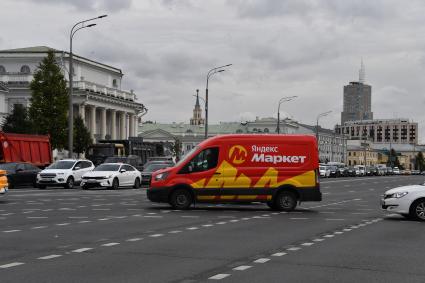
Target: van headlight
399	195
161	176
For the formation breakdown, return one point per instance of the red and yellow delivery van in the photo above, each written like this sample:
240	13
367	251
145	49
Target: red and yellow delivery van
280	170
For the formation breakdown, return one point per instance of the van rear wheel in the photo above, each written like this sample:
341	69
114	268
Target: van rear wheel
181	199
285	201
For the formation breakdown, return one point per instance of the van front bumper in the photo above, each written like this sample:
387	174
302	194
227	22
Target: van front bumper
159	194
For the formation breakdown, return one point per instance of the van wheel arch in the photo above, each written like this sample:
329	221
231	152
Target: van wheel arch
182	187
289	188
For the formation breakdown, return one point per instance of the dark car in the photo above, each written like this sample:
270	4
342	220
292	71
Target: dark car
351	171
152	167
373	171
343	171
334	172
20	174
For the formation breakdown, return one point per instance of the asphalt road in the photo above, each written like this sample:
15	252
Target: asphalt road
59	235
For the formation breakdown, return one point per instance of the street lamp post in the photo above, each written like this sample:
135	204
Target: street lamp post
210	73
71	82
283	99
317	128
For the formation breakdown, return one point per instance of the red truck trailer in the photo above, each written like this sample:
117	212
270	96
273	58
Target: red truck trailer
34	149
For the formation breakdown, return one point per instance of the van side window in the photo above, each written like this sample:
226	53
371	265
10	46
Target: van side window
205	160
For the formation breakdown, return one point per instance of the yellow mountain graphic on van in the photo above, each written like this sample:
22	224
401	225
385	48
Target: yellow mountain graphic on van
227	177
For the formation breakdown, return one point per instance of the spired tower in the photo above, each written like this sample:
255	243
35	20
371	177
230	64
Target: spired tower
357	99
197	113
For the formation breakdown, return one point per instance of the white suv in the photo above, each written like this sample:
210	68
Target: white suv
66	173
408	201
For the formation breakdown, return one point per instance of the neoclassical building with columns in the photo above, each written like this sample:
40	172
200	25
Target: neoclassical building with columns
108	111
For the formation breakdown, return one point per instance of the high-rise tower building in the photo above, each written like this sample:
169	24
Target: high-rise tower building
197	112
357	100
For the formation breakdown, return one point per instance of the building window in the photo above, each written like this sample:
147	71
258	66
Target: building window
25	69
114	83
189	131
266	130
2	69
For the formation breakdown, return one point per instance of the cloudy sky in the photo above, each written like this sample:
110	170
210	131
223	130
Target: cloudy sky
308	48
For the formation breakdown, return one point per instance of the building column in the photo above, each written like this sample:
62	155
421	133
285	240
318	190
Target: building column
93	122
136	125
130	125
114	124
82	112
103	123
122	125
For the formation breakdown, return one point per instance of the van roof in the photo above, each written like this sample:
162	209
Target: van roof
256	137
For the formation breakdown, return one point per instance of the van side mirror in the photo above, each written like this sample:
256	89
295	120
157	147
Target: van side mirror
123	171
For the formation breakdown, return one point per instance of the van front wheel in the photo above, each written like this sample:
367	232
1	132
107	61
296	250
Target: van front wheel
181	199
285	201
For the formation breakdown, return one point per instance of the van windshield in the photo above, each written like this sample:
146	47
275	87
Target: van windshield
187	155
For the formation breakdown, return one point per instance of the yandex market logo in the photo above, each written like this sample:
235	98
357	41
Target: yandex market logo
238	154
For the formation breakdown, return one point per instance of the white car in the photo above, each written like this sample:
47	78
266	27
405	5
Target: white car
66	173
113	176
408	201
324	171
396	171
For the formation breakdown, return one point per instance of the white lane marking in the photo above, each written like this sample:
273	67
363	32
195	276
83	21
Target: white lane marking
38	227
84	221
104	219
329	236
221	223
62	224
219	276
293	249
81	250
110	244
318	240
134	239
175	232
307	244
13	264
245	218
334	203
207	225
347	230
338	232
49	256
192	228
279	254
11	231
156	235
262	260
234	220
242	267
36	217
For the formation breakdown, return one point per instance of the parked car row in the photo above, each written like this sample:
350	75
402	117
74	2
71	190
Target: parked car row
68	173
340	170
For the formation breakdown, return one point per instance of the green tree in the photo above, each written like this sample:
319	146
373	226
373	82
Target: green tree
18	121
82	138
177	148
49	102
420	162
393	159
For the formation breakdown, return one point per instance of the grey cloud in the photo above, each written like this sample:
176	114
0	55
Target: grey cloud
93	5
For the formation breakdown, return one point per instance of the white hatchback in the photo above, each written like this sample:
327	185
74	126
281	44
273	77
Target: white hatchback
113	176
408	201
